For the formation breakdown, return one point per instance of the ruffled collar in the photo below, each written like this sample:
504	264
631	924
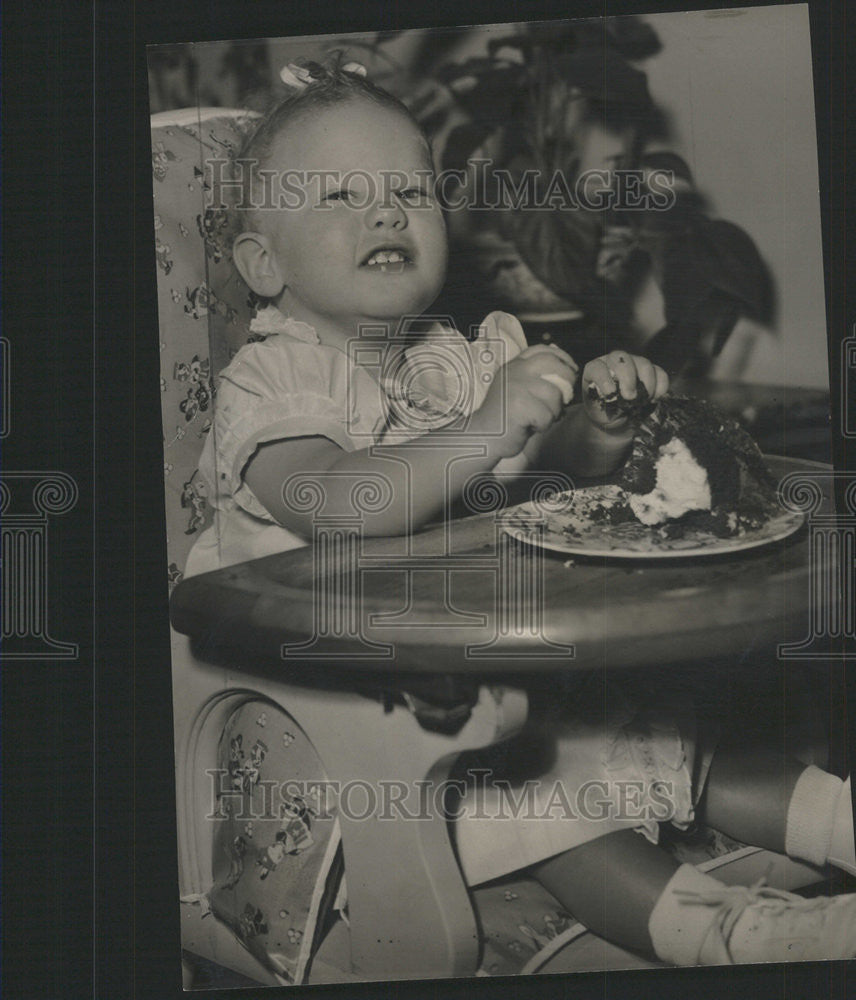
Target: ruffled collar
269	321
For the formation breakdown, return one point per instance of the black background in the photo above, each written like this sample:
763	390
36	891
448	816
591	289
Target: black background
89	867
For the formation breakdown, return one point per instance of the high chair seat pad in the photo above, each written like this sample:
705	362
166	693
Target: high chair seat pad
276	838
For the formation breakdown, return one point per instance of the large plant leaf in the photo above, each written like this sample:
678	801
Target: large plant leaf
602	73
477	66
679	343
739	270
634	39
709	256
433	122
422	101
462	142
495	95
433	48
669	162
718	315
559	247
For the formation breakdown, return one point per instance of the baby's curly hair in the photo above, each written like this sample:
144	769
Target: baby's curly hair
330	85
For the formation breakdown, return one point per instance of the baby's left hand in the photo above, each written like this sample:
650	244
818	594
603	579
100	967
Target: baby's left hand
618	374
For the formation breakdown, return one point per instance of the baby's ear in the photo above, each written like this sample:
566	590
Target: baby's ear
257	265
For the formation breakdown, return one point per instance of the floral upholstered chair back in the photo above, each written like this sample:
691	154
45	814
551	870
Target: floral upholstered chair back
204	307
204	312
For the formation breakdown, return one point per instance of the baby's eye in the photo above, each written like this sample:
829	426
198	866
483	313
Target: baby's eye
413	195
342	195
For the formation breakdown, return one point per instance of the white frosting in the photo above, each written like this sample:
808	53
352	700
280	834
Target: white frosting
681	486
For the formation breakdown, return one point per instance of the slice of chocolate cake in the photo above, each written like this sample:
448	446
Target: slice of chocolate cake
691	465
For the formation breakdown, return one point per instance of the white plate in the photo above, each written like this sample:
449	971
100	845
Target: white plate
563	523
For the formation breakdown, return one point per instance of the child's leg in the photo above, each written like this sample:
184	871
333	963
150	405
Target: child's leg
772	801
611	885
632	893
747	795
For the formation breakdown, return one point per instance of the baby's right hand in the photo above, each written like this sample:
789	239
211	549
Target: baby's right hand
527	396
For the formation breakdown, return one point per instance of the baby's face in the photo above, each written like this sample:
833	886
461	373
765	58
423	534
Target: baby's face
374	197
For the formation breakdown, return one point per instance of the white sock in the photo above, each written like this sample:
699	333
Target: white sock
678	930
812	815
842	850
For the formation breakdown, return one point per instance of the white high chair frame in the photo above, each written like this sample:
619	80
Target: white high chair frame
394	868
410	914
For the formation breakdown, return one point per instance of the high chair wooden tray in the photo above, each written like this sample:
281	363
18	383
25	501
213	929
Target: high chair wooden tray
454	601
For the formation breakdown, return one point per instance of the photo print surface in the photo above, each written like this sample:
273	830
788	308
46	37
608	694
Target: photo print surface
506	598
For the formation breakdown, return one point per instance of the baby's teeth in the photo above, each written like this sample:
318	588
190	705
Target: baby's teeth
386	257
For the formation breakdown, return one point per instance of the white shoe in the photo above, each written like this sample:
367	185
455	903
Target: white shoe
762	924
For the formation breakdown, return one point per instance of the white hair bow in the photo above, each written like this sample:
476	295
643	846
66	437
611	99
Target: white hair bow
300	77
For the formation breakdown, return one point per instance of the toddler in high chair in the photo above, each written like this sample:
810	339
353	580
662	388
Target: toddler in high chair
341	233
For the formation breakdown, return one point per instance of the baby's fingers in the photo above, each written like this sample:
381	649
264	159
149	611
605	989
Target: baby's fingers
602	377
627	371
661	382
563	385
553	391
547	360
624	372
646	374
655	380
543	409
551	349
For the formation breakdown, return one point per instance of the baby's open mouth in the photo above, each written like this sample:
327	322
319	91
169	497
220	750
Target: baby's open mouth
387	259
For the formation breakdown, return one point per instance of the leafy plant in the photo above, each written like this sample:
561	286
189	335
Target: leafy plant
708	270
527	106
